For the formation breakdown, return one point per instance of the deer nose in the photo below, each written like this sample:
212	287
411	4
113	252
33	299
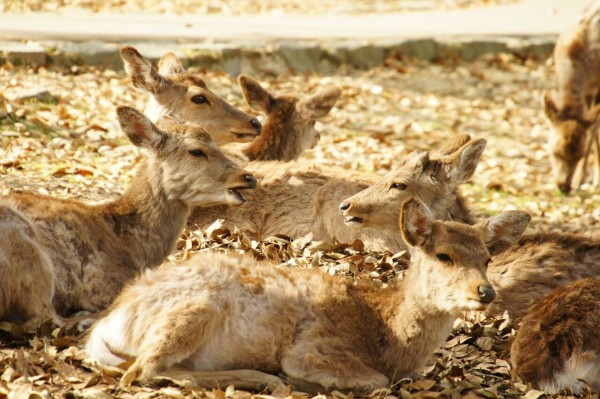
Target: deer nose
251	180
256	125
564	188
486	293
344	206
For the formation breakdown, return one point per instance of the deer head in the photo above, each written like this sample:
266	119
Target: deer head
449	259
431	180
190	165
185	97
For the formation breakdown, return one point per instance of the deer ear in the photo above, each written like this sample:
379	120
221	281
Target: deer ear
140	130
416	222
550	108
454	144
504	230
466	159
170	64
319	104
140	70
255	95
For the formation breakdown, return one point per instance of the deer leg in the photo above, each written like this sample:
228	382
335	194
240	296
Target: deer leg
172	340
596	148
330	364
581	168
251	380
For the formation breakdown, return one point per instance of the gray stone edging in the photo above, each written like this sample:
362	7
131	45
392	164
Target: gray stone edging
275	57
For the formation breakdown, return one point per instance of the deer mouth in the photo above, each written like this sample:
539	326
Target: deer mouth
353	221
244	137
476	304
235	196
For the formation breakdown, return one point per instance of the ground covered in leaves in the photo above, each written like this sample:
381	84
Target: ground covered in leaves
60	137
239	7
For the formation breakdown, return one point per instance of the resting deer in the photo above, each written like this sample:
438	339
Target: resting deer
557	345
289	129
66	255
226	312
573	110
537	265
184	97
295	199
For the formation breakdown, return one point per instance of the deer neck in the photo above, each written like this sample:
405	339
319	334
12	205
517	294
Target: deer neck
145	218
275	141
414	327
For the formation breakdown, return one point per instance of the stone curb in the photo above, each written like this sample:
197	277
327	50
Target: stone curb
274	57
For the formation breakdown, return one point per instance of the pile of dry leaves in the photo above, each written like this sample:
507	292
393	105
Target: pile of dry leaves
60	137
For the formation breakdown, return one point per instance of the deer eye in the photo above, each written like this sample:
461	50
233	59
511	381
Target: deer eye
197	153
398	186
443	258
199	99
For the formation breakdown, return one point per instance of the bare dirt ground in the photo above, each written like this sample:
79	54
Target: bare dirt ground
241	6
65	142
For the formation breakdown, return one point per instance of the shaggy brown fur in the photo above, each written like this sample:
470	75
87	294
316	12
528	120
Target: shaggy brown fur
557	343
577	62
227	312
184	97
537	265
296	199
66	255
290	125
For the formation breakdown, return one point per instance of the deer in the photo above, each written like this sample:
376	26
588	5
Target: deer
296	199
573	109
225	317
289	128
184	97
556	346
59	256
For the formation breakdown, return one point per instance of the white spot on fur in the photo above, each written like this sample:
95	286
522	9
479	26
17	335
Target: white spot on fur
110	329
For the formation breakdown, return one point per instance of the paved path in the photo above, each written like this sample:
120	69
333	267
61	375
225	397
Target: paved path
278	43
529	18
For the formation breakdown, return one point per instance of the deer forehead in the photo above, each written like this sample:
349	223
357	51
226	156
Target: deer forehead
462	241
187	79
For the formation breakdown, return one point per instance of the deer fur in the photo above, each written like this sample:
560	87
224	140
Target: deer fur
184	97
231	312
289	128
67	255
539	264
296	199
557	345
573	110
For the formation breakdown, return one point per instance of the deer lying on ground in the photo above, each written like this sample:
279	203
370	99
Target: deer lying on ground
67	255
573	110
557	345
289	129
184	97
295	199
221	312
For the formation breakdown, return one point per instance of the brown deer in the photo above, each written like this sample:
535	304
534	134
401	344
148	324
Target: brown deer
227	313
537	265
184	97
66	255
573	110
296	199
289	128
557	345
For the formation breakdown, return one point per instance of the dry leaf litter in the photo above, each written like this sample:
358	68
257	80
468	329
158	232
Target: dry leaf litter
60	137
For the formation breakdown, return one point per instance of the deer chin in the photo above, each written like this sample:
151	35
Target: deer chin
475	304
242	137
234	197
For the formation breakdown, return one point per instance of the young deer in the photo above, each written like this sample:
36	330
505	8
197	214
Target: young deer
226	312
290	125
573	110
294	199
557	344
184	97
66	255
